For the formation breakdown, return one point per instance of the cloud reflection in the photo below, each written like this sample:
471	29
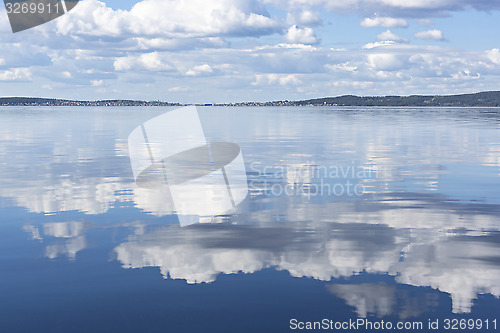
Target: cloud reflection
381	299
417	222
458	265
63	238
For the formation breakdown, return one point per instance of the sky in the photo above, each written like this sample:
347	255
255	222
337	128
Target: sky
221	51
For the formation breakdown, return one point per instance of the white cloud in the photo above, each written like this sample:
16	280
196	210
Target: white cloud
347	66
97	83
147	43
378	44
16	74
387	61
200	70
281	79
407	8
304	18
301	36
430	35
183	18
122	49
388	22
494	56
388	35
153	61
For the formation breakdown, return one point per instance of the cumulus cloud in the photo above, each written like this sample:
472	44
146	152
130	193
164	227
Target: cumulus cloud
494	56
433	34
387	61
379	44
281	79
16	74
179	43
410	8
388	22
304	18
301	36
388	35
200	70
153	61
184	18
347	66
153	43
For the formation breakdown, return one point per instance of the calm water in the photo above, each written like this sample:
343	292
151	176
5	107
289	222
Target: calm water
376	213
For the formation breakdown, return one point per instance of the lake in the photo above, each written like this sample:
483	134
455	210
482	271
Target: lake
346	215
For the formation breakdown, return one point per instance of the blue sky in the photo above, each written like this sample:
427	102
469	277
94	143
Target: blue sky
241	50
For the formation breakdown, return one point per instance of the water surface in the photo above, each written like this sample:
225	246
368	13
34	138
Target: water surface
377	213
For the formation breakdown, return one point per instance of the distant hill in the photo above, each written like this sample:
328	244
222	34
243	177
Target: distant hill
490	98
484	99
35	101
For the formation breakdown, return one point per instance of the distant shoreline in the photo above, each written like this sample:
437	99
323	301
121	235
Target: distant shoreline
481	99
